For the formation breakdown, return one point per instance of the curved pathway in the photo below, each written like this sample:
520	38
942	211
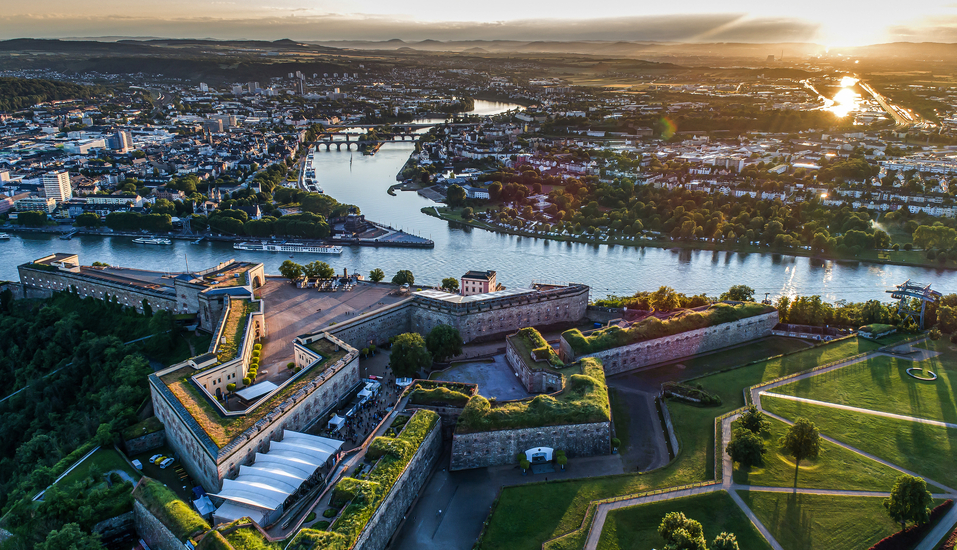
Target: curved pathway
943	527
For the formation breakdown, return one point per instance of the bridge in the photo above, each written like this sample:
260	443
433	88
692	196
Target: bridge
328	140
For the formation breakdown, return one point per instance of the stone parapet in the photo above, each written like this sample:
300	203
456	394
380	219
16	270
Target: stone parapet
497	448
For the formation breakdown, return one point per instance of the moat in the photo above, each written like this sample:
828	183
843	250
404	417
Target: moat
518	260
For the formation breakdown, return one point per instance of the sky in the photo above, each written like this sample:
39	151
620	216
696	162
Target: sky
827	22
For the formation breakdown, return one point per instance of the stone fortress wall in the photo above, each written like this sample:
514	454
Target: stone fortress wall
676	346
501	447
383	523
490	317
127	295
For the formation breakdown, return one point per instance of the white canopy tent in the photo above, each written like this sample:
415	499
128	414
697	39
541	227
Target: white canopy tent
251	393
335	423
261	490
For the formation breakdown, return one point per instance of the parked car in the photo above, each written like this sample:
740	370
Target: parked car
154	458
159	459
166	463
137	464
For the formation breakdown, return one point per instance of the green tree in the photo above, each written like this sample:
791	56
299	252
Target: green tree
739	293
409	354
318	270
402	277
725	541
70	537
468	213
376	275
450	284
909	501
947	319
801	441
443	342
291	270
746	448
681	533
754	421
455	195
664	299
87	219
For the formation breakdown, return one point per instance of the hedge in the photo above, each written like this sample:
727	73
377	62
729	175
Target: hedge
908	538
584	400
395	454
688	392
614	337
163	503
436	396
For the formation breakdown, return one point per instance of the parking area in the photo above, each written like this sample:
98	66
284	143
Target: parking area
494	378
292	311
173	476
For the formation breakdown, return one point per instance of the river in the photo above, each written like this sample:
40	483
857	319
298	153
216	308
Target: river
518	260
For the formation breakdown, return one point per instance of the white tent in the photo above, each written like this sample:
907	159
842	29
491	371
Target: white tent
335	423
261	490
255	391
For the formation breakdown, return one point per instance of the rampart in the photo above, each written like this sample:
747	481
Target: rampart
483	318
684	344
376	327
536	375
209	462
497	448
389	514
152	529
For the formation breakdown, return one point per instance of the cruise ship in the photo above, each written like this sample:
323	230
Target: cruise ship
4	236
157	240
288	247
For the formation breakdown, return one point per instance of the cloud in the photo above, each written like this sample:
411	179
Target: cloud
677	28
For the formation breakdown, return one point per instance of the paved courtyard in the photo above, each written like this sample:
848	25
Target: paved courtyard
292	311
495	378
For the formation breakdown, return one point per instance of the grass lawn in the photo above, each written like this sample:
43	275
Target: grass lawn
753	351
107	459
520	522
821	522
882	384
636	528
835	468
916	447
619	412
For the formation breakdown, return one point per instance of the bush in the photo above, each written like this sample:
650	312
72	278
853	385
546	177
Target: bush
330	513
908	247
290	365
615	442
695	394
322	525
257	347
437	396
310	517
524	464
247	381
256	352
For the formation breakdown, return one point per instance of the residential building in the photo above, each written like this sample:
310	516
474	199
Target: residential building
478	282
57	185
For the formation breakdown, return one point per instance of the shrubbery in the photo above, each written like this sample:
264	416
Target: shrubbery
653	327
694	393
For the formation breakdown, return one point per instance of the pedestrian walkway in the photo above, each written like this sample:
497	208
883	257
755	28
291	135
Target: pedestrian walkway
860	410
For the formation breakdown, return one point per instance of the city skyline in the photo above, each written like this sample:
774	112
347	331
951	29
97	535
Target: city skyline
826	23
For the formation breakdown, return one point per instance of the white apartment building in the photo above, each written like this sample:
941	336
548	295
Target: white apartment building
56	185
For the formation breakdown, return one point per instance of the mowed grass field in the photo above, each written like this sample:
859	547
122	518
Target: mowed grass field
821	522
882	384
636	528
520	521
834	468
921	448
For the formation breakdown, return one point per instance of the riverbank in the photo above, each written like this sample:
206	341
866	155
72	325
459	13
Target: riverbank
391	238
912	258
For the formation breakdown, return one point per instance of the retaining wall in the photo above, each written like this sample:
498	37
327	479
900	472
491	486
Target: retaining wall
481	449
676	346
152	530
386	519
145	443
535	375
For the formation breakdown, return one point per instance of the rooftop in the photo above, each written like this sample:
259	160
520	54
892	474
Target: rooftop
482	275
458	299
222	430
